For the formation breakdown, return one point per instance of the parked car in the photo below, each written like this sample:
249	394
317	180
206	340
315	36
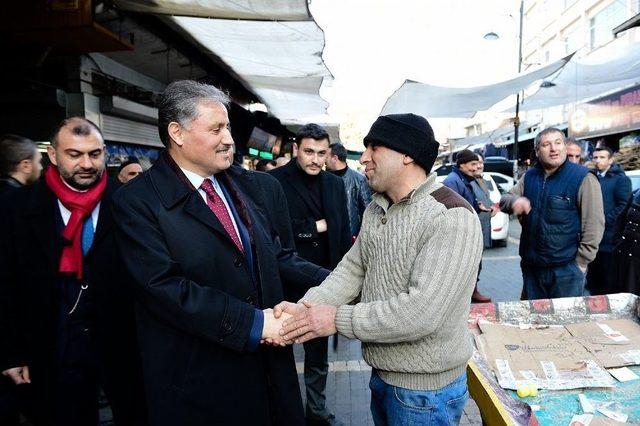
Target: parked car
504	182
634	175
500	222
500	165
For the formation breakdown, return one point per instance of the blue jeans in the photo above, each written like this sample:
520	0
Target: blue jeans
548	283
395	406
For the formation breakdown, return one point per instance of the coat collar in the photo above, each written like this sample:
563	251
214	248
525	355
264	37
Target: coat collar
166	181
173	188
302	190
42	209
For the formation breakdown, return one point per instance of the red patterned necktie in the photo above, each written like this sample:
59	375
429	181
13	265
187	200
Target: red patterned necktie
218	208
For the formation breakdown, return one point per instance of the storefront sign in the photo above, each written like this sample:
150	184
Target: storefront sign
615	113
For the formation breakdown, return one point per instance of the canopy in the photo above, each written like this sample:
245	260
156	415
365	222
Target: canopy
612	68
463	102
280	61
282	10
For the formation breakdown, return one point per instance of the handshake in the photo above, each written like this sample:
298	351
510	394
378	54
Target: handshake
289	323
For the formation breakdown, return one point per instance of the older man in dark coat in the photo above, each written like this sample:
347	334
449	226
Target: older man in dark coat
206	262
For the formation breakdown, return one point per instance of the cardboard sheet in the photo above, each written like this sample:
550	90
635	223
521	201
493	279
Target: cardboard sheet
549	357
613	343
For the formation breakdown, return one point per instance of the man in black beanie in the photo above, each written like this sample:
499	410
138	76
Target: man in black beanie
459	180
404	288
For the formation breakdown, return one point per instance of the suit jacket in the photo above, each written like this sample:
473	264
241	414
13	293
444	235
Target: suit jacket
197	302
30	293
301	207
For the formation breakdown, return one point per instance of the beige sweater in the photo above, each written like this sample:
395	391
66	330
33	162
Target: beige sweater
414	266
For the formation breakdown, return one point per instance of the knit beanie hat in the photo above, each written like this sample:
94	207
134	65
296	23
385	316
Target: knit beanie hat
409	134
466	156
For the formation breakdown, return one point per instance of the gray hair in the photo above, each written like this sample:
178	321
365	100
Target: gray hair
179	103
573	141
13	150
536	142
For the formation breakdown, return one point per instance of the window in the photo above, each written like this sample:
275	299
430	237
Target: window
605	21
573	41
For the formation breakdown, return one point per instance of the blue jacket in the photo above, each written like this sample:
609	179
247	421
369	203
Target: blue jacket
461	184
551	232
616	190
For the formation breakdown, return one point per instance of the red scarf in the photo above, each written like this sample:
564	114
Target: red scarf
81	205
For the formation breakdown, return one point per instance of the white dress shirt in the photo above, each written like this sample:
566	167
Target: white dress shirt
66	214
196	180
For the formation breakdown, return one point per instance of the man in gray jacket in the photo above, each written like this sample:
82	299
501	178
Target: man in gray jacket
411	270
358	192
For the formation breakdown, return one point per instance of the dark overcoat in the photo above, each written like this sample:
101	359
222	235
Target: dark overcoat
31	327
302	211
197	301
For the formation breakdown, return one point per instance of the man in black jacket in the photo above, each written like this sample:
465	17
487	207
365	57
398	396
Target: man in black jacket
318	209
206	262
615	186
355	185
19	163
66	320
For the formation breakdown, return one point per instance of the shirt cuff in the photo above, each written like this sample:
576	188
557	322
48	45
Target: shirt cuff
256	331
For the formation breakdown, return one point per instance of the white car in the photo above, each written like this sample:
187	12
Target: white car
503	181
500	222
634	175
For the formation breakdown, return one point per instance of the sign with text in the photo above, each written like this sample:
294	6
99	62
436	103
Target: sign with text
615	113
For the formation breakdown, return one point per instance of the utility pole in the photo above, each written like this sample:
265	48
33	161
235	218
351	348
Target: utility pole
516	121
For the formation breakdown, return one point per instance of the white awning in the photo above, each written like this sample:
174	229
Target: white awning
281	10
463	102
605	71
280	62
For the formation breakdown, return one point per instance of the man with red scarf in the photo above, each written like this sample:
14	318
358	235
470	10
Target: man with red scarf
67	326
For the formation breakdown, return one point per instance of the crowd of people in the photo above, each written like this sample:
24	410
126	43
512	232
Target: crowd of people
178	291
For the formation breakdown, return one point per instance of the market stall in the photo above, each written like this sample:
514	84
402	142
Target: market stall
557	361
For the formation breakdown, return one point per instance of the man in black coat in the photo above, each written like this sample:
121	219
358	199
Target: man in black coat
321	230
615	186
20	163
206	262
66	320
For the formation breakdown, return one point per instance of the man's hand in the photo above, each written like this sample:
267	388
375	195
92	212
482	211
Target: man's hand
271	328
288	307
313	322
521	206
19	375
321	226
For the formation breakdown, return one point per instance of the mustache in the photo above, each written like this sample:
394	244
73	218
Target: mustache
85	171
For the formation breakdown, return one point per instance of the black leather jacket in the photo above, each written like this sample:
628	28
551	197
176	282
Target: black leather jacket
358	196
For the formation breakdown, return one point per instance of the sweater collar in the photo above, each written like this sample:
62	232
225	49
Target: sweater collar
418	192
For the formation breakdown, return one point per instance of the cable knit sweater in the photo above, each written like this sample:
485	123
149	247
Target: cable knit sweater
414	266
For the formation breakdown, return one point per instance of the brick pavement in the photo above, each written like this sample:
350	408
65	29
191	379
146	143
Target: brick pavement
348	394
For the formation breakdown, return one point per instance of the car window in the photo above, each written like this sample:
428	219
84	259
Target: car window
489	185
635	182
499	179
